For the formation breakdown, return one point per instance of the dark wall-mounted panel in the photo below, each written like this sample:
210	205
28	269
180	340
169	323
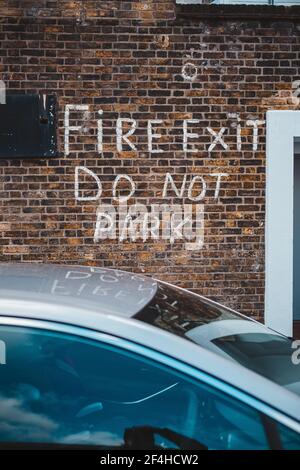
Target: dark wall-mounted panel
28	127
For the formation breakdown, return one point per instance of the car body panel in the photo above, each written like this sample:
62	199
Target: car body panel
66	308
166	343
160	358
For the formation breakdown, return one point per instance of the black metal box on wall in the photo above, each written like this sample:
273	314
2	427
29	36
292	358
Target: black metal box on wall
28	127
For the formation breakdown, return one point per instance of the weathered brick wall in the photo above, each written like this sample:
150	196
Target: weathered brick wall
128	58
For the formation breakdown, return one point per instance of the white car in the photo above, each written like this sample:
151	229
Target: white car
104	359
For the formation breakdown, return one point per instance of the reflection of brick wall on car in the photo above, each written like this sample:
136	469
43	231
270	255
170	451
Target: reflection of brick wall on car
126	58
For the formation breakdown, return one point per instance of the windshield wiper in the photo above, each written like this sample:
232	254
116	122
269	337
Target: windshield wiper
143	438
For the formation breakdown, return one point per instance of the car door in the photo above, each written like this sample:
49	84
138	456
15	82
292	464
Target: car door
66	386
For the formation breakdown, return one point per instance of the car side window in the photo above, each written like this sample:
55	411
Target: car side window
59	388
290	440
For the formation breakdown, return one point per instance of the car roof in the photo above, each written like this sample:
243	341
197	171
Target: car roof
106	290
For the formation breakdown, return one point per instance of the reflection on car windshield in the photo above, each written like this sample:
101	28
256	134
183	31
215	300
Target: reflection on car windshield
178	311
269	355
225	332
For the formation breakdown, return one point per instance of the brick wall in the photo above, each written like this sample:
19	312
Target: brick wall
131	60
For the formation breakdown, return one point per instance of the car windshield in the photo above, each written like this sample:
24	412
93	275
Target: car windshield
225	332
